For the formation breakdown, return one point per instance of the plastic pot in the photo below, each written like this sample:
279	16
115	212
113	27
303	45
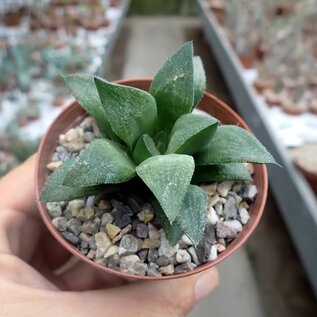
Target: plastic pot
73	114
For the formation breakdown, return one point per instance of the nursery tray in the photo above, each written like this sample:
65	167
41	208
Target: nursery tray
295	198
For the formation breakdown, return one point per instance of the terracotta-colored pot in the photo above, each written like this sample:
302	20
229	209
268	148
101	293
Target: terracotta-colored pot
73	114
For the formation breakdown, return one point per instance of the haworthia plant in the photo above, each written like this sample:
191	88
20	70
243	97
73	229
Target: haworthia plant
153	137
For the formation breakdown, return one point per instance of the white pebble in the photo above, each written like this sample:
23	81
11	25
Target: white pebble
234	224
182	256
186	240
244	216
224	188
212	217
213	253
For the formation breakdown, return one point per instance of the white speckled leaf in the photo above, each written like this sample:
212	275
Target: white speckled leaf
84	90
168	177
192	218
199	80
102	162
173	86
144	149
221	172
131	112
191	133
232	144
54	190
173	231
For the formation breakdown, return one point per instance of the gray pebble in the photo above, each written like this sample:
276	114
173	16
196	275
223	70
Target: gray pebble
162	261
248	193
128	245
71	237
142	230
230	210
89	227
193	255
74	226
88	137
182	256
143	255
183	268
224	231
54	209
134	205
106	218
152	255
203	251
210	234
60	223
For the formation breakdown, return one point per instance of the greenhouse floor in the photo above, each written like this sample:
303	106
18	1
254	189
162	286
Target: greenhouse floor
264	278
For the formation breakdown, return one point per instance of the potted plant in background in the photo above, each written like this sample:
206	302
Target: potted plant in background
143	187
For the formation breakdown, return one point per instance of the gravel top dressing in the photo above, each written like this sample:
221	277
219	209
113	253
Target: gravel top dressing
121	230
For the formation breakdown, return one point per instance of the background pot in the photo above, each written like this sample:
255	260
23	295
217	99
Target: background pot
73	114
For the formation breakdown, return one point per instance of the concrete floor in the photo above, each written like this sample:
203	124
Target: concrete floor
264	278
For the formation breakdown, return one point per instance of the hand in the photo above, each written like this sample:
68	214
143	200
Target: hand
29	255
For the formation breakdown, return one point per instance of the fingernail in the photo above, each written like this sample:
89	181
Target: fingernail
205	284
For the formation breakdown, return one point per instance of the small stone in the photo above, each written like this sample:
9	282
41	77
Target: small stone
75	206
71	135
244	204
134	205
146	215
111	251
223	188
151	244
210	189
53	166
88	137
193	255
131	264
123	232
152	255
91	254
162	261
62	153
122	221
213	253
172	260
244	216
224	231
71	237
60	223
113	262
84	237
106	218
182	256
220	247
234	224
153	232
84	244
183	268
212	217
105	205
74	146
210	234
165	248
67	213
54	209
99	212
248	192
140	243
89	227
142	230
74	226
143	255
153	270
92	243
230	209
213	200
186	240
83	251
91	200
103	243
221	241
203	251
236	197
219	209
128	245
86	214
112	230
167	270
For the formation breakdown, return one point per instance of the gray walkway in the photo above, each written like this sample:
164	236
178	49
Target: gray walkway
151	40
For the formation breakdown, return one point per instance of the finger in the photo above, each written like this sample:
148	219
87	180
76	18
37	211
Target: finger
90	278
17	188
171	298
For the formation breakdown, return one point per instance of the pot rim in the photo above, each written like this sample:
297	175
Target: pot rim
72	249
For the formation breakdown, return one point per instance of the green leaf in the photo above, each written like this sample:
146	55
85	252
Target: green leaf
173	86
144	149
160	140
54	190
232	144
168	177
173	231
131	112
199	80
102	162
191	133
192	218
84	90
221	172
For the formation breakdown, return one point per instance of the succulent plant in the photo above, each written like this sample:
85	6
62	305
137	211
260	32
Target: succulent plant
153	138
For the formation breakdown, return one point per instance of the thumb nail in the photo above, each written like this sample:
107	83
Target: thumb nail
205	284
